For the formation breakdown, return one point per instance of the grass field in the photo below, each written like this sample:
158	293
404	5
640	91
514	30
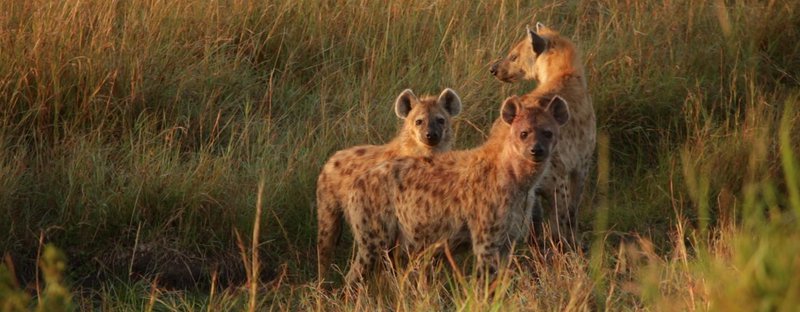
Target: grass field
134	136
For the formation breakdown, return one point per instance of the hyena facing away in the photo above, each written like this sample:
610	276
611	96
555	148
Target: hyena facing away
474	195
554	62
427	129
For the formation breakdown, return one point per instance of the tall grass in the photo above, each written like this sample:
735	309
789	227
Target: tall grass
134	134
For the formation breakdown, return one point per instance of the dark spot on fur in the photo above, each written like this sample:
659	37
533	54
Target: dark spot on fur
396	174
428	159
336	164
360	152
424	187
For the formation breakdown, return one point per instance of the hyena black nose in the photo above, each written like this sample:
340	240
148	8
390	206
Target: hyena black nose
432	138
538	152
493	69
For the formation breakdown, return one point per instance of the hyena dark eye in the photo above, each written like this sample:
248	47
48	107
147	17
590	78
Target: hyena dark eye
418	122
513	57
523	135
547	134
440	120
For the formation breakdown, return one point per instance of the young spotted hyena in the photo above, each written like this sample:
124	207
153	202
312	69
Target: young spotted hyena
552	61
427	129
476	195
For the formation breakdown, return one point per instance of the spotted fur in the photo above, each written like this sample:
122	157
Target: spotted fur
427	129
554	63
474	195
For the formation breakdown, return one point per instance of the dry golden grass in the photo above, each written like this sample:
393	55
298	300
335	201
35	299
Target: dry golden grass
134	134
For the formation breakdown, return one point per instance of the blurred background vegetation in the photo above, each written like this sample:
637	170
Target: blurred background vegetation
133	135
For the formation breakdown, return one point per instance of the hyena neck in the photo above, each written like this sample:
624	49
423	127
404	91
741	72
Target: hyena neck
407	145
521	173
512	171
561	67
565	78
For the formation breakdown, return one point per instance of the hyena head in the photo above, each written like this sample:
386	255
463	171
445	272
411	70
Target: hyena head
535	123
524	60
429	120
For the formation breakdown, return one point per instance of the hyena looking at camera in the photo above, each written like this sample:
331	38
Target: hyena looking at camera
426	130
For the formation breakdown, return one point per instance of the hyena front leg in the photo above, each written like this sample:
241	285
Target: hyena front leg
557	195
534	204
487	247
577	180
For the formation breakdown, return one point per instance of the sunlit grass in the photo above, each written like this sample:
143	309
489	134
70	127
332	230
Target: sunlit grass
134	134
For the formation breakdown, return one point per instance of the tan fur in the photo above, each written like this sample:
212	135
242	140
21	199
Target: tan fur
558	70
430	115
475	195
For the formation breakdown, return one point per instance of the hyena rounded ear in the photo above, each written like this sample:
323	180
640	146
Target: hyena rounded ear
540	27
404	102
559	109
538	42
510	109
450	101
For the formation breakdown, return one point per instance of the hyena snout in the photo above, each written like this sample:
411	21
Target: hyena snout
539	152
432	138
493	69
505	71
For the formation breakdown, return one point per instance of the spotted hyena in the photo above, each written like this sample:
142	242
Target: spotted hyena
555	64
427	129
474	195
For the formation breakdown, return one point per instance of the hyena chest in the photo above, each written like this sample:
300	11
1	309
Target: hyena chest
518	219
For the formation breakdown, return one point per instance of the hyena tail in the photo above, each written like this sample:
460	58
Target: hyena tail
329	229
